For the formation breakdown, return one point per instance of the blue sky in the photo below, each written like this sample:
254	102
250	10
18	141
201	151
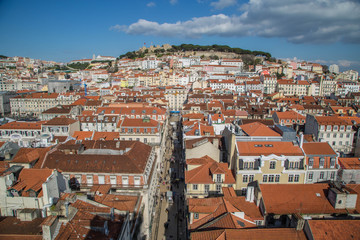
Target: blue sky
324	31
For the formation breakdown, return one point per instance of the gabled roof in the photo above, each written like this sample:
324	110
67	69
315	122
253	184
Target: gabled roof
258	129
32	179
202	174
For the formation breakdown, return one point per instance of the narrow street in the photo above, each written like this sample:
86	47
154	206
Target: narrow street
170	219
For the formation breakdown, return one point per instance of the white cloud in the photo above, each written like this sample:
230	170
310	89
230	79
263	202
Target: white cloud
151	4
345	63
311	21
221	4
173	2
118	28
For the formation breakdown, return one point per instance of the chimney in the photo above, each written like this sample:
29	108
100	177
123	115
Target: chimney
301	140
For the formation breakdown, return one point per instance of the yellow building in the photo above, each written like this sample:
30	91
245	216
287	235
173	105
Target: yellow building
268	162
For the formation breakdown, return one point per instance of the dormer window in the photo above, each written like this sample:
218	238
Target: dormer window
332	162
311	162
218	177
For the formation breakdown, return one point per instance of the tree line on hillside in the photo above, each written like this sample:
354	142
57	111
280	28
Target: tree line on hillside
191	47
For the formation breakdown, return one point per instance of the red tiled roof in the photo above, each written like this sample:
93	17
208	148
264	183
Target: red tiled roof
318	148
302	199
258	129
349	163
267	148
335	229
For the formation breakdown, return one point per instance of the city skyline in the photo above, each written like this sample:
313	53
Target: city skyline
326	32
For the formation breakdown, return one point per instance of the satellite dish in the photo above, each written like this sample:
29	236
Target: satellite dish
9	182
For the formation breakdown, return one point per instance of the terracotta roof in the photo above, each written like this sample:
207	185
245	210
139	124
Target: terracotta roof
59	121
302	199
203	173
253	234
267	148
318	148
26	155
258	129
133	161
349	163
32	179
119	202
190	142
11	227
82	135
331	120
335	229
106	135
23	125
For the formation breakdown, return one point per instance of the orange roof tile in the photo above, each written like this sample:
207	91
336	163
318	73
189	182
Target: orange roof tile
258	129
335	229
267	148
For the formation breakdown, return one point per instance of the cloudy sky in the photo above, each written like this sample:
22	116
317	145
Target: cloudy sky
324	31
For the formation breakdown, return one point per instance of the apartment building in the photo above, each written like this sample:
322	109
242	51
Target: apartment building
127	166
267	162
204	176
321	162
332	129
145	130
25	189
36	103
176	97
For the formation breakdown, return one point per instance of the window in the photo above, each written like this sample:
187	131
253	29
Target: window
246	165
195	187
322	161
328	128
332	162
265	177
311	162
101	179
297	165
196	216
207	188
296	179
89	180
136	181
328	135
291	178
112	179
245	178
333	143
277	178
321	175
243	191
335	128
271	178
291	165
332	175
272	165
251	165
218	188
218	177
125	180
335	135
251	178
